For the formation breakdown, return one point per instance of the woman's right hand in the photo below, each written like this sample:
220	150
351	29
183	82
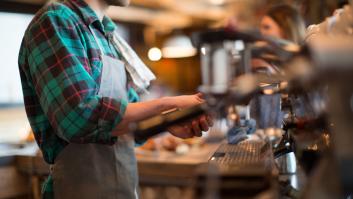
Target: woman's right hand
139	111
186	101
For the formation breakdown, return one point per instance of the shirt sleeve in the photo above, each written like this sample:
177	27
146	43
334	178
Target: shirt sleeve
66	90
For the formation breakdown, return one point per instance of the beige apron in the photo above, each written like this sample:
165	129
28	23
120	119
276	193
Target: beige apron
96	171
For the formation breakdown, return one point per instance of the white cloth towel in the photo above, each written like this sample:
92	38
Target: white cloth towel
140	74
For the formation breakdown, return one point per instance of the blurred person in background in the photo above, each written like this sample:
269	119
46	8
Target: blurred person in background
80	82
283	22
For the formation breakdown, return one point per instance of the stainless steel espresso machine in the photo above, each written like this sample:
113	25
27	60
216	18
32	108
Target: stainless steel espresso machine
315	83
317	80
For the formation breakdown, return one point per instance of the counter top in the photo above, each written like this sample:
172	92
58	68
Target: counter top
154	166
165	167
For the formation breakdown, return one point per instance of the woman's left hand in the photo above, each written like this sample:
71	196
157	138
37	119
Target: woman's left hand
192	128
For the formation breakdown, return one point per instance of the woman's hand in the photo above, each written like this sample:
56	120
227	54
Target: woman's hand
139	111
186	101
192	128
195	126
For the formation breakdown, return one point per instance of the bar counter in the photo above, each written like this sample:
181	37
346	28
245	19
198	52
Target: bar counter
156	168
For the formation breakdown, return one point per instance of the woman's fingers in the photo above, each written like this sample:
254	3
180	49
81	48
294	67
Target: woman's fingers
200	95
196	128
203	123
209	120
192	128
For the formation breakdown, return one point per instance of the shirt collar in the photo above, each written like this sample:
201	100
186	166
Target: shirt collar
108	24
90	17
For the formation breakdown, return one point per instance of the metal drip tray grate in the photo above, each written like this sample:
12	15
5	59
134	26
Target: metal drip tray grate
244	153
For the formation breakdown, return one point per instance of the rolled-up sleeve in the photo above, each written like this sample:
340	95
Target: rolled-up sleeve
67	92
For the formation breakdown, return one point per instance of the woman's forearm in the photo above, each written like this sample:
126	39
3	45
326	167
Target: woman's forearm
136	112
142	110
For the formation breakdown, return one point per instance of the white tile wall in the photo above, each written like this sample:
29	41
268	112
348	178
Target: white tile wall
13	27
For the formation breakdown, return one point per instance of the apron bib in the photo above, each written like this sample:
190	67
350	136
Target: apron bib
96	171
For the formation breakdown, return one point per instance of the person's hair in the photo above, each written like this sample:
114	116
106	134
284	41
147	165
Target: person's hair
289	20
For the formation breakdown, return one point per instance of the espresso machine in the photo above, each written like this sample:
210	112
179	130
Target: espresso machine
316	79
315	83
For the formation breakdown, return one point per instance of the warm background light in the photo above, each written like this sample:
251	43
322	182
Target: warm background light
178	46
154	54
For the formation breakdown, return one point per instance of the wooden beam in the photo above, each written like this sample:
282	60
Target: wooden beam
201	9
160	14
155	18
19	7
36	2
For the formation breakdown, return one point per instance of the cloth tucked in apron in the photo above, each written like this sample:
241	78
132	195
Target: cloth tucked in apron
96	171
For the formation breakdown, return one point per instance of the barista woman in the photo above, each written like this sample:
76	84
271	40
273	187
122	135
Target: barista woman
80	81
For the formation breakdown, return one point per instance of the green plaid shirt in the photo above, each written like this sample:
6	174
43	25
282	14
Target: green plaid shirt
60	68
